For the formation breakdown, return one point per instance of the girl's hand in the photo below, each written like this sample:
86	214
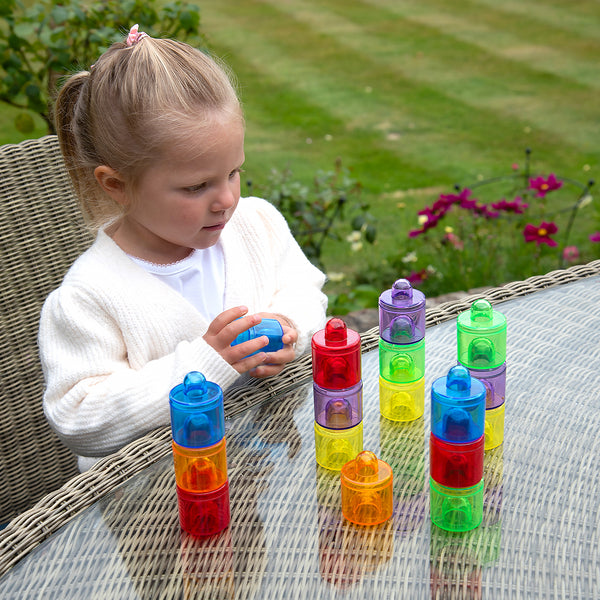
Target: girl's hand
275	361
225	328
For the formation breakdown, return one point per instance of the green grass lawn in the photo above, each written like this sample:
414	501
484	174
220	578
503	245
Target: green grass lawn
413	96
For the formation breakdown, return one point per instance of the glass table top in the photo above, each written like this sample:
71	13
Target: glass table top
288	539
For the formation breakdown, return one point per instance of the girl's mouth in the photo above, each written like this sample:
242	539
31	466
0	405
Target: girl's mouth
215	227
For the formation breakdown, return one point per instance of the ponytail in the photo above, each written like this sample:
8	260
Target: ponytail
66	119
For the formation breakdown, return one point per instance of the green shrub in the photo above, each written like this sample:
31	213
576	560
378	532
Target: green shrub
48	40
329	208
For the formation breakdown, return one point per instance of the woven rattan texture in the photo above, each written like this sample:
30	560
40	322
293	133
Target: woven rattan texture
25	532
41	234
539	537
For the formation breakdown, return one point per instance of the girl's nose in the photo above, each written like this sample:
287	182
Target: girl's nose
226	198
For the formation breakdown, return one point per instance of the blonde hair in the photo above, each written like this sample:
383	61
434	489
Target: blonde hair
126	109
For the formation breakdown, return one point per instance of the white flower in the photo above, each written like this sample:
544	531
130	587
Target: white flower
356	246
431	270
411	257
449	229
353	237
335	277
587	199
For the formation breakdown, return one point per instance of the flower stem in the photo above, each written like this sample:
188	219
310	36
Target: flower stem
582	196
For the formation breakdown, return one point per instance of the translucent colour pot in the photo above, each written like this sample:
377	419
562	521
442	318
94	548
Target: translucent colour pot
456	509
457	407
494	427
367	490
402	314
197	415
456	465
481	336
200	469
336	356
270	328
402	401
335	447
494	381
401	364
204	514
338	409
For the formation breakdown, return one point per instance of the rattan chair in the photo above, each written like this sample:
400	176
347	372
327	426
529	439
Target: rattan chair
41	233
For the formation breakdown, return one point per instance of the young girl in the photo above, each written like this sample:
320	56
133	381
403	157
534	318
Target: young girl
153	137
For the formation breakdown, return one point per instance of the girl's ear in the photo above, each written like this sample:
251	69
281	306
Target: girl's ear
112	183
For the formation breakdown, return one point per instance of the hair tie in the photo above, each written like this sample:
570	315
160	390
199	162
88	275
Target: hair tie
135	36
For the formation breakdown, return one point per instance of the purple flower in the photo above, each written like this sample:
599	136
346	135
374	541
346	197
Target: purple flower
595	237
540	234
517	206
543	186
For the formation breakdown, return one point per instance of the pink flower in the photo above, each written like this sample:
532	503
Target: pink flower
540	234
571	254
543	186
441	206
432	221
450	199
517	206
416	277
454	240
469	204
484	211
595	237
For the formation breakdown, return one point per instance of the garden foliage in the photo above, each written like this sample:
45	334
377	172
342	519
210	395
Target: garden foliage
326	209
494	231
41	42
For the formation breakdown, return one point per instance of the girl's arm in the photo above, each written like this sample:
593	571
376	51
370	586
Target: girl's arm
107	383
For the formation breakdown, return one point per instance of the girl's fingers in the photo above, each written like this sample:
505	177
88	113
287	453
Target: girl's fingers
228	325
266	371
225	318
235	354
281	357
249	362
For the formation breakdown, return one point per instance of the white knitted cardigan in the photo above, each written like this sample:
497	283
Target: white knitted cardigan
114	339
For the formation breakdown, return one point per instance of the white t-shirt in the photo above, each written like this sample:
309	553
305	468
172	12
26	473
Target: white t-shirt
199	278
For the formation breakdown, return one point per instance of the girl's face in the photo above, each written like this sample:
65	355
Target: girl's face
185	200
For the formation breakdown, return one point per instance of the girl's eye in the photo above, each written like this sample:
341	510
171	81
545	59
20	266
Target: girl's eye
194	189
235	172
